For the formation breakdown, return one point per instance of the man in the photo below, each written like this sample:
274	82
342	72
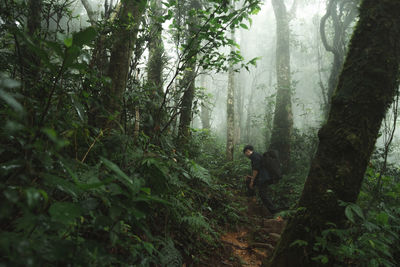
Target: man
259	178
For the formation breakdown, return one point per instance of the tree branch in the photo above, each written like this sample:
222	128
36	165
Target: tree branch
322	27
89	10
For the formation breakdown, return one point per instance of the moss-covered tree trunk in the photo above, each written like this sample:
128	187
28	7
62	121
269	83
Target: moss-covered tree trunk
186	104
366	87
124	37
283	118
230	110
155	66
156	48
188	81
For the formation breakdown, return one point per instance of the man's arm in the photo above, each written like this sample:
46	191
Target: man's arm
255	172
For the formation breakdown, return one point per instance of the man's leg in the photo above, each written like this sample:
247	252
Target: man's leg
250	192
262	190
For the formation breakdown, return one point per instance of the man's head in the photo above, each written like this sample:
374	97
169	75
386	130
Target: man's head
248	150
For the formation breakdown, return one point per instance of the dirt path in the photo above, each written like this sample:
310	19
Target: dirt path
255	241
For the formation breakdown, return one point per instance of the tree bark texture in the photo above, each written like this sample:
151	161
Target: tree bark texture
155	64
156	49
124	37
188	81
230	110
187	102
283	118
366	88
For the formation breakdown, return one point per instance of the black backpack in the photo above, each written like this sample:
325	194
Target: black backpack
272	164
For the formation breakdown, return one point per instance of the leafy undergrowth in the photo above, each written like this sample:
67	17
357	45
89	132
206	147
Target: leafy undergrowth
87	198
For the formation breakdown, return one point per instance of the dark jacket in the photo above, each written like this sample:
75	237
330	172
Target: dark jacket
257	165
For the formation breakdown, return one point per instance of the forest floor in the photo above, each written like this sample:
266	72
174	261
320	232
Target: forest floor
252	242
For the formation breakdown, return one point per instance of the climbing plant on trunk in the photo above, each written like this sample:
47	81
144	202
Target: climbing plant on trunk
155	64
365	90
188	81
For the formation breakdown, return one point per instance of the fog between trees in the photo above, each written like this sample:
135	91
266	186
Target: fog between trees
310	62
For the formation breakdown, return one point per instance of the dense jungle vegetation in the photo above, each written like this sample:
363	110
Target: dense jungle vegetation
122	127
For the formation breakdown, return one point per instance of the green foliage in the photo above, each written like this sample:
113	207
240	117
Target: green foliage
287	191
373	234
73	193
211	21
100	213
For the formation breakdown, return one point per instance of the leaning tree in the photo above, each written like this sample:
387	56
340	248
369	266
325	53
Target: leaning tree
365	90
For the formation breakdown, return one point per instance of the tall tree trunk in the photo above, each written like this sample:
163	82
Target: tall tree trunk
241	95
205	109
31	61
366	87
30	74
283	118
239	108
249	111
155	65
124	37
156	49
205	116
188	81
230	109
187	102
34	16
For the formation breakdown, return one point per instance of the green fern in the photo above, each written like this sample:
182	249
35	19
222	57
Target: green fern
169	255
200	173
197	223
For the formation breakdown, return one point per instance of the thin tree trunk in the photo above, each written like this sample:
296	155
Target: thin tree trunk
155	66
30	74
124	37
205	110
137	123
283	118
366	88
230	110
239	109
205	117
31	61
249	111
